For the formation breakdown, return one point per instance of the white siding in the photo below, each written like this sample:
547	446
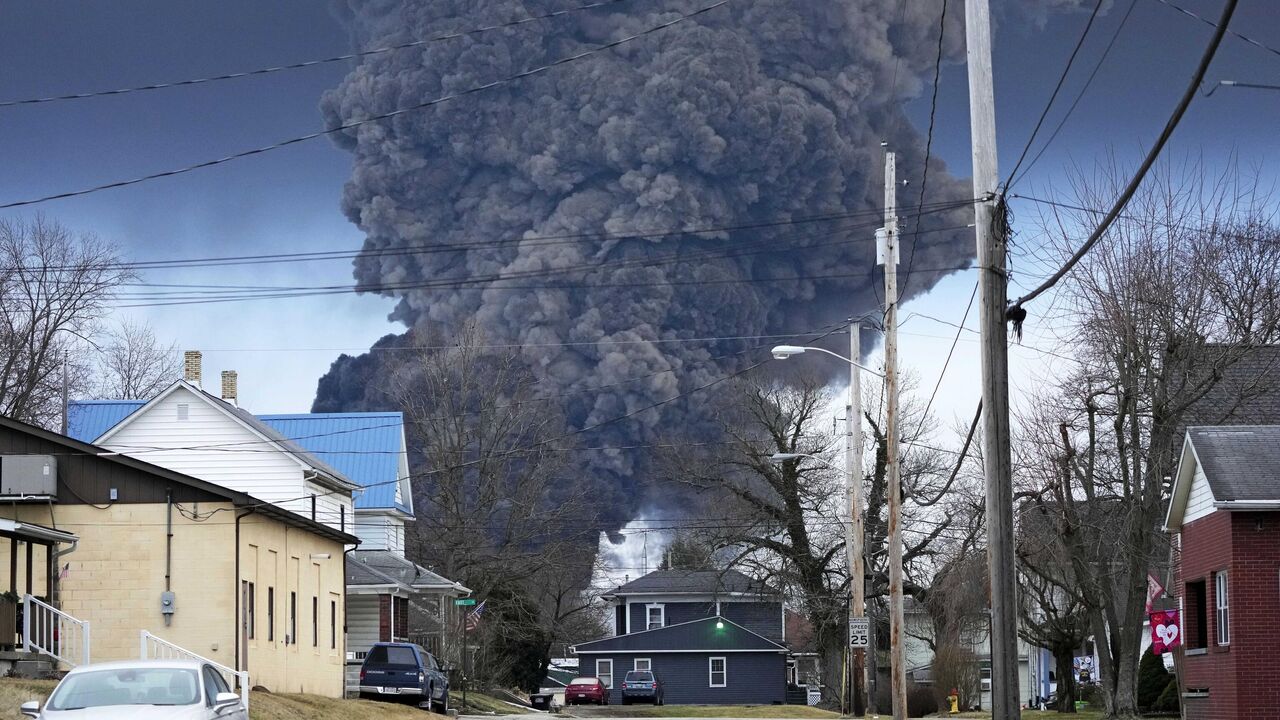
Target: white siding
240	464
329	506
1200	497
362	623
380	532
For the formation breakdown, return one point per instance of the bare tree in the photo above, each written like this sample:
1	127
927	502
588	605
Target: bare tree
1151	337
134	364
56	286
784	522
498	506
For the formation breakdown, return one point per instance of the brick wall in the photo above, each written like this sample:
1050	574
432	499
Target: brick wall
1247	547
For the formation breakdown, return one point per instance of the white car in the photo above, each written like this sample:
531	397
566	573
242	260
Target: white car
141	690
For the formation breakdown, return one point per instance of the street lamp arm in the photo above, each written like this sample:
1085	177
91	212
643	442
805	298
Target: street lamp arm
783	352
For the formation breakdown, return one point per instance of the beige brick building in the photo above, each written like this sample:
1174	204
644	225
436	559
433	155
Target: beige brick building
254	586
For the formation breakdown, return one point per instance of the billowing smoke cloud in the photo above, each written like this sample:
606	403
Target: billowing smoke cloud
758	112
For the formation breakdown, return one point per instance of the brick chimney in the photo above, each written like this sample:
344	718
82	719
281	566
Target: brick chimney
229	387
191	367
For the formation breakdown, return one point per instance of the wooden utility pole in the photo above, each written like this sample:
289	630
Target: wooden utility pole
993	298
889	256
853	528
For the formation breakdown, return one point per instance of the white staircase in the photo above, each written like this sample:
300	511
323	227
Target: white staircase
49	631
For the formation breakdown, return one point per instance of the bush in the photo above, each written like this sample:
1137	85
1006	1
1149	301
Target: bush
1090	693
921	702
1168	700
1152	680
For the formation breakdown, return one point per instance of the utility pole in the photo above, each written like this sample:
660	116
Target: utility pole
66	389
889	256
993	294
853	537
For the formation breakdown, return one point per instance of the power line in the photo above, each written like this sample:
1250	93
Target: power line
373	119
309	63
928	146
1256	43
1079	96
1227	12
1057	88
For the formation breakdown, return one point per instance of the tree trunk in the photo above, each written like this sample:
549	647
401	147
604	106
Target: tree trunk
1064	658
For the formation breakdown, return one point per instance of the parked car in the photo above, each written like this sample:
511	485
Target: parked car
586	690
641	686
404	671
140	690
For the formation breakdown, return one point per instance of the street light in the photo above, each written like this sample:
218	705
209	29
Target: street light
782	352
853	530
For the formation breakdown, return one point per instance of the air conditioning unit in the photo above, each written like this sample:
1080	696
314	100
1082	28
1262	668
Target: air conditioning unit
28	476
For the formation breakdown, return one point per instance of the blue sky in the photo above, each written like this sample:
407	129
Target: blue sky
288	200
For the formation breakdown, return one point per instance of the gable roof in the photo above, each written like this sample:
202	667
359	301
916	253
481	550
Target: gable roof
693	582
326	474
711	634
234	496
366	447
400	570
1240	462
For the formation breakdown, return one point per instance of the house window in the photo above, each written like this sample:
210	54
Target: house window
342	518
1197	616
293	617
315	621
984	674
643	665
719	675
604	672
313	508
250	608
655	617
1221	615
333	624
271	614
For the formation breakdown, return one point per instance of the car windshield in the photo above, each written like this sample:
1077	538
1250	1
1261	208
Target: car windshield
639	677
126	686
392	655
584	681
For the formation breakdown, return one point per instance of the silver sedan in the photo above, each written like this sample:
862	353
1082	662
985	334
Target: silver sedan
141	690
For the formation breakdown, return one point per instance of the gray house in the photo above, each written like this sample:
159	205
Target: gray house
709	637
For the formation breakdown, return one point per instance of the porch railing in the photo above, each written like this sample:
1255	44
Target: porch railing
48	630
154	648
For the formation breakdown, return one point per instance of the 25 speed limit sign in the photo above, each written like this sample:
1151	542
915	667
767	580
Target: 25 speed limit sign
859	632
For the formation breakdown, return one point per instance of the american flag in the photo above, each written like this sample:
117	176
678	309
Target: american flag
473	617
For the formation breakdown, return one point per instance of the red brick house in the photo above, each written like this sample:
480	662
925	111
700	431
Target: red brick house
1224	517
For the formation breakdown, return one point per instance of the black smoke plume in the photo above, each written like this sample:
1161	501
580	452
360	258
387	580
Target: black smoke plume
753	114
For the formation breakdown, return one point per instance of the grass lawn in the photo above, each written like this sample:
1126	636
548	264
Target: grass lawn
701	711
1038	715
480	704
262	706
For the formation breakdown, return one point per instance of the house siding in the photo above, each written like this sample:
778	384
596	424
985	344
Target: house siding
763	618
1199	497
378	531
752	678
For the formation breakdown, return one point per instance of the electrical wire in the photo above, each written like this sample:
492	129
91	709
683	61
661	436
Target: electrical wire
1076	102
1056	89
1256	43
1179	111
309	63
372	119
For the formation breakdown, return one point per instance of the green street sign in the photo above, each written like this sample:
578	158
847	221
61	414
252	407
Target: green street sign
465	601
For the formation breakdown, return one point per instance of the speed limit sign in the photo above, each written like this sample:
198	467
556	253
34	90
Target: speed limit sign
859	632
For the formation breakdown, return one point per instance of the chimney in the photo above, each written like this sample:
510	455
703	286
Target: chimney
191	367
229	387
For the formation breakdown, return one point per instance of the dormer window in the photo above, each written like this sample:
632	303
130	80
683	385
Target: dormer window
656	617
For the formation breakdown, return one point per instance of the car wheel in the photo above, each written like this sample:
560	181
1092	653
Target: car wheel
441	707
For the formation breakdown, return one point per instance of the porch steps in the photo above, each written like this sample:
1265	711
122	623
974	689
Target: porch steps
31	665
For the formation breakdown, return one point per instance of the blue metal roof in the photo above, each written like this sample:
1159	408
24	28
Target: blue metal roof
87	420
365	447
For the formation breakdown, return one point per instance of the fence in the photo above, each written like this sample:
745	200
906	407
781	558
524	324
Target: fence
154	648
48	630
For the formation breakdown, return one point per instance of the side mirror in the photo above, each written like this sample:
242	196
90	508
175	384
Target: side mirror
225	700
31	709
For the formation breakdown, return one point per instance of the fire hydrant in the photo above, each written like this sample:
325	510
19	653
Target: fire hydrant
953	701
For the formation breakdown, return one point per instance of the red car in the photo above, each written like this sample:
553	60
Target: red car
586	690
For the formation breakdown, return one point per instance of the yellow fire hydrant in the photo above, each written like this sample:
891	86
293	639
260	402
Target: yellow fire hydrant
953	700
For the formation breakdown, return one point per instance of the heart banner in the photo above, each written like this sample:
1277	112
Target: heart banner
1166	633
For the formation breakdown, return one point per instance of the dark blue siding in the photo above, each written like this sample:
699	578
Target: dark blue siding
753	678
620	620
687	612
762	618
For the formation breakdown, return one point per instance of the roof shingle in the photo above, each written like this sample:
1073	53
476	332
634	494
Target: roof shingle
1241	462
